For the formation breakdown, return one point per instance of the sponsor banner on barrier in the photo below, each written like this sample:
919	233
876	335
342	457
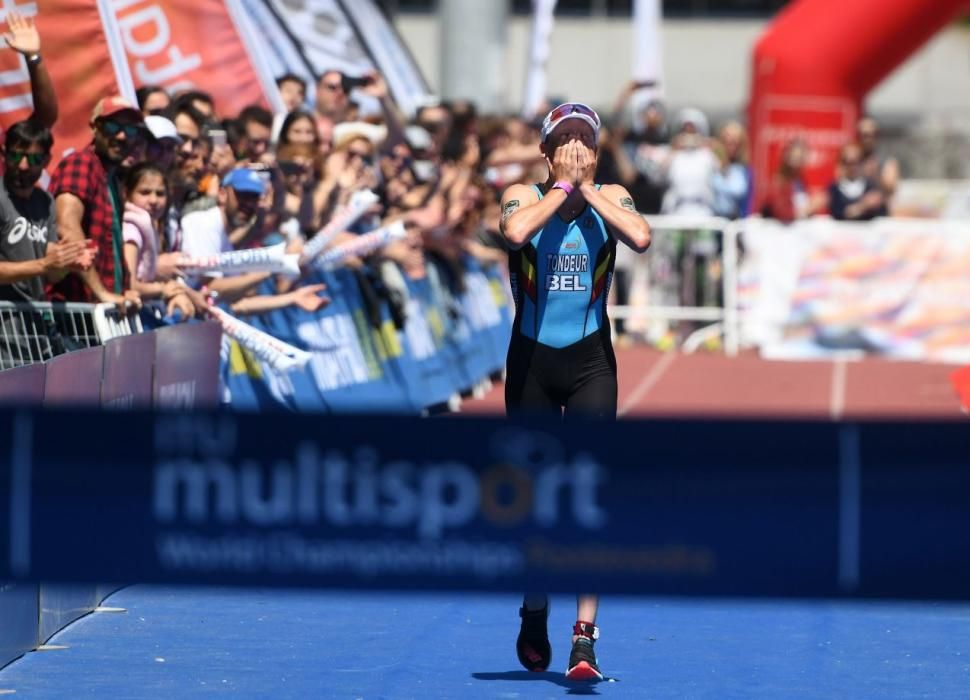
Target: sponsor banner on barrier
127	378
363	357
820	509
187	366
895	288
23	385
75	378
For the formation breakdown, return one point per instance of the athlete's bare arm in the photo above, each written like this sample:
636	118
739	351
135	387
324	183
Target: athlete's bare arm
615	205
524	214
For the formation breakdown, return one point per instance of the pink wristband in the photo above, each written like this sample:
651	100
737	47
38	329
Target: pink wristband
564	186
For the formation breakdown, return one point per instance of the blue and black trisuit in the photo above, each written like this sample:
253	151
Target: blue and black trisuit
560	354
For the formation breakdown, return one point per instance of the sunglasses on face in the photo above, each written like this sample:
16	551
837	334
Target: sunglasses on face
288	168
33	159
334	87
112	129
565	110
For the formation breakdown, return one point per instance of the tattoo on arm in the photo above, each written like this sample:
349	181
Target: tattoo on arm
509	209
627	203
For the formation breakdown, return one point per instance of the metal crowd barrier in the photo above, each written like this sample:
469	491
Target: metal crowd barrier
37	331
721	318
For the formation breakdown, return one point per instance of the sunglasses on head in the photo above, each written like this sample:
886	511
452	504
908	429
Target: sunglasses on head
112	129
565	110
33	159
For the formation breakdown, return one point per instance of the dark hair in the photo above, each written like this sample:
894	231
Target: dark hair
234	132
291	78
134	176
145	91
255	113
189	96
188	110
328	72
26	133
294	116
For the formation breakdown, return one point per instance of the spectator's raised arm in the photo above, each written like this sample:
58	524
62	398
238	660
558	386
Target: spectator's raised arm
377	87
22	36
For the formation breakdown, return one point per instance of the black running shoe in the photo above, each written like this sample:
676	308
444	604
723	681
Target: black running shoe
582	662
532	646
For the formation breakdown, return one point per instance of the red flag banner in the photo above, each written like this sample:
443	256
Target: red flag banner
200	44
78	52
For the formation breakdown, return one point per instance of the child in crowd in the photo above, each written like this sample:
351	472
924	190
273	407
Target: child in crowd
146	201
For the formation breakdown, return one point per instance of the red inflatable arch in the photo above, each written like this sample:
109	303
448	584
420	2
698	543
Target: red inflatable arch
817	61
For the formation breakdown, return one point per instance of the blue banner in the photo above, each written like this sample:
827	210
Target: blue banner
658	507
20	612
363	362
430	379
482	303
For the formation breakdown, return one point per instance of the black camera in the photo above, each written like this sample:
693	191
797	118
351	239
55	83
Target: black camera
350	83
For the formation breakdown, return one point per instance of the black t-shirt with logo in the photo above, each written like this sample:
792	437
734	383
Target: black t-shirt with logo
26	226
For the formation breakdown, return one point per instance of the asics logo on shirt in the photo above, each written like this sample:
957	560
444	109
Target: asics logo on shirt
22	227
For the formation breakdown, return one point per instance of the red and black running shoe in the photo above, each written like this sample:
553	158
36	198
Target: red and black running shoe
582	662
532	646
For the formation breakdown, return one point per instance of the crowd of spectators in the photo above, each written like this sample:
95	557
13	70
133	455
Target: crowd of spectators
175	176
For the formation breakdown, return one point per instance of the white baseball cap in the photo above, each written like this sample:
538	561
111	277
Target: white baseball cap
570	110
162	128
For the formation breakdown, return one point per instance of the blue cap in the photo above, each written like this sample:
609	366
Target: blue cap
244	180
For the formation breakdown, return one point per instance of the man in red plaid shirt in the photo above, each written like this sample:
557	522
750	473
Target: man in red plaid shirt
89	205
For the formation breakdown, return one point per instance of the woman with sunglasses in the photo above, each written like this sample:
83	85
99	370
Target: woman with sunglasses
563	236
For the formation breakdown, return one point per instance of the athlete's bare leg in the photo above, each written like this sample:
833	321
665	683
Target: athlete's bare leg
586	607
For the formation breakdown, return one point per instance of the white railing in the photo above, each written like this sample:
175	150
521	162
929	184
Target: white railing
898	288
723	320
37	331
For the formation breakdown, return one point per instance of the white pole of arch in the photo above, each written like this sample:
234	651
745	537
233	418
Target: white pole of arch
535	79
